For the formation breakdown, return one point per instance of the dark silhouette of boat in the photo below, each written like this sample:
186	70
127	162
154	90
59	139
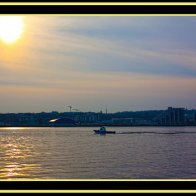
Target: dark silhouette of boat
102	130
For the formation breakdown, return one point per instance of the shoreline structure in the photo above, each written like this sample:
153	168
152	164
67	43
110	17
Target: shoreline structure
169	117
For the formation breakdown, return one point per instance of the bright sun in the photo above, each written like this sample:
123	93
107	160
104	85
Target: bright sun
11	28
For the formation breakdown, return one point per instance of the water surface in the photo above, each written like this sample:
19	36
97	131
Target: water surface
78	153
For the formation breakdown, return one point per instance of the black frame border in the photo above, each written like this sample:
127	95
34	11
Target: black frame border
93	185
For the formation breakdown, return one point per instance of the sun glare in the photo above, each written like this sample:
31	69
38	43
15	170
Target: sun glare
11	28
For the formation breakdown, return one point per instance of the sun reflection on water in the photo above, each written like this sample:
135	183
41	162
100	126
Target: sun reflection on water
13	128
15	170
16	156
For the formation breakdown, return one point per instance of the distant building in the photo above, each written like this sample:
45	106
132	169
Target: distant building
61	122
27	120
89	117
123	121
172	117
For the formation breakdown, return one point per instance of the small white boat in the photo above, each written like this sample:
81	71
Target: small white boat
102	130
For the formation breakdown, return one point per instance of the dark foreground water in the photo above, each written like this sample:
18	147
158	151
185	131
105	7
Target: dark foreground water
78	153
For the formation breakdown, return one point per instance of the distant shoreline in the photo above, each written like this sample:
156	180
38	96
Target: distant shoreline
103	125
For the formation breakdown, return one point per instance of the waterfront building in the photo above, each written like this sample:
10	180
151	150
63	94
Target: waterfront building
87	117
123	121
172	117
60	122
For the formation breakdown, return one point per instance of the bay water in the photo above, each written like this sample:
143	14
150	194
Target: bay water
78	153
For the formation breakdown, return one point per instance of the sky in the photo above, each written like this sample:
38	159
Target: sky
122	63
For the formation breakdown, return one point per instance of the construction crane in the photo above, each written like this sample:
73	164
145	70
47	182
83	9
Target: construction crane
69	108
76	110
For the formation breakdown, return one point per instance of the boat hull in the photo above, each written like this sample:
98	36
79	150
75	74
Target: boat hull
104	132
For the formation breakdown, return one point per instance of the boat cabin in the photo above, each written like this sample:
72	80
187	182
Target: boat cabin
102	129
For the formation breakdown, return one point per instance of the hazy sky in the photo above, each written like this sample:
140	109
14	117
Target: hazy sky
90	63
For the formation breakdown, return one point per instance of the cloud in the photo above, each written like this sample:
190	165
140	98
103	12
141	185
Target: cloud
90	90
92	61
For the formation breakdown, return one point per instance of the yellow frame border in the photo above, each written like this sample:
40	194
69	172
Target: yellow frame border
94	4
98	3
97	191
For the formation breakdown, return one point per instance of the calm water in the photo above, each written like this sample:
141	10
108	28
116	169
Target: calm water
78	153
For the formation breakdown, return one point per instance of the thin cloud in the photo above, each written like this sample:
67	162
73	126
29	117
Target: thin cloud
75	59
